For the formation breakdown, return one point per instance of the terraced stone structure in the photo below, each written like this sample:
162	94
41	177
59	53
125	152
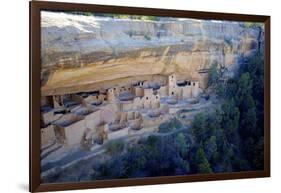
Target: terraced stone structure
105	78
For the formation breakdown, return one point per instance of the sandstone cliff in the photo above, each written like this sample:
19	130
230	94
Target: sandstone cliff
82	53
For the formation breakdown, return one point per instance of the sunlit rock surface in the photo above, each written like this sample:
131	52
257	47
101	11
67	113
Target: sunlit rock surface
84	53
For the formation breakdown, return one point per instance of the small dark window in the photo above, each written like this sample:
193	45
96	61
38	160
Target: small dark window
97	97
156	97
172	93
172	76
194	84
146	98
114	88
129	88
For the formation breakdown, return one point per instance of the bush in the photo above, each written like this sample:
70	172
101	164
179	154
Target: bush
213	74
170	125
252	24
203	165
147	37
199	129
115	146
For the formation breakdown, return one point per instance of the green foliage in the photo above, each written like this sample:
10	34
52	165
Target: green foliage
115	146
136	158
214	122
143	17
181	145
252	111
147	37
81	13
252	24
199	128
220	89
258	154
230	118
213	75
211	148
170	126
214	82
248	122
232	137
203	165
154	156
244	87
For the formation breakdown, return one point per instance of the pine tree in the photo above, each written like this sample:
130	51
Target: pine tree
203	165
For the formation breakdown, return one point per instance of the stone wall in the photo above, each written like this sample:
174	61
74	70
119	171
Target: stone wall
75	132
47	135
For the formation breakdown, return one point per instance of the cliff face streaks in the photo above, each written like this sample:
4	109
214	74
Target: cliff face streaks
82	53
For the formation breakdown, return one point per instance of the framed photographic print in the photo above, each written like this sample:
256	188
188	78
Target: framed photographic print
123	96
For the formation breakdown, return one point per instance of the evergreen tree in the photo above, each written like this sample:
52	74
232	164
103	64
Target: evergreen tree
203	165
230	118
199	128
181	145
210	148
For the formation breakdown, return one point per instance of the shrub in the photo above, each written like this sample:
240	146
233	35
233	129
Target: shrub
213	74
115	146
170	125
147	37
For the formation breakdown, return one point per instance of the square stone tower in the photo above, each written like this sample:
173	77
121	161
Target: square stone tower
173	90
195	88
110	95
172	80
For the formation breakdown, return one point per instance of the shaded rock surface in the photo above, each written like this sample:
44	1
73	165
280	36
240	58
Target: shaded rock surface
84	53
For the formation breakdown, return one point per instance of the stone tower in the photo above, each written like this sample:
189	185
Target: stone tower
172	85
110	95
195	88
172	80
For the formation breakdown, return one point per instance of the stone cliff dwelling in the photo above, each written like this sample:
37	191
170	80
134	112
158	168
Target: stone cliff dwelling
97	86
90	118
